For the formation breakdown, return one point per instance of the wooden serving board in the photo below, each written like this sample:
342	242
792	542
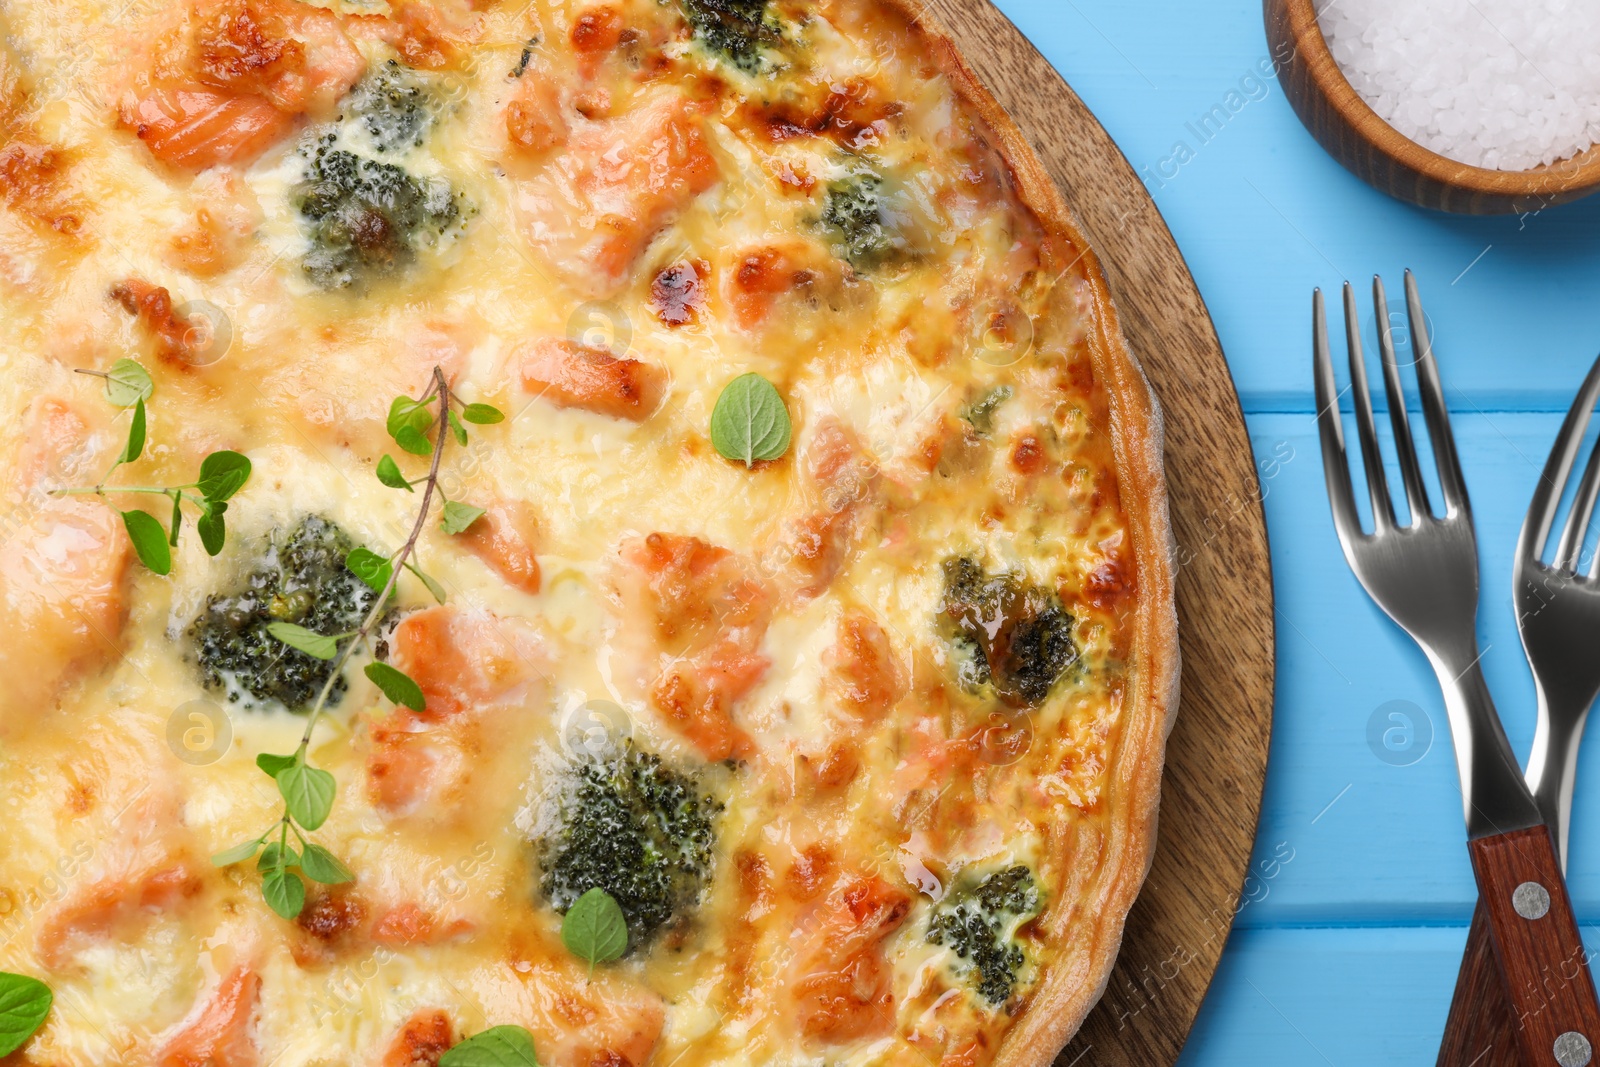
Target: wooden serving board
1217	755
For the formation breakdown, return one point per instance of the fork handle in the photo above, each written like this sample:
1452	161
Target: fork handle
1480	1030
1541	958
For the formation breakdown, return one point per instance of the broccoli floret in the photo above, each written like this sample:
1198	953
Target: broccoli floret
1010	633
979	923
735	30
366	218
638	829
865	232
301	579
1041	650
394	107
980	413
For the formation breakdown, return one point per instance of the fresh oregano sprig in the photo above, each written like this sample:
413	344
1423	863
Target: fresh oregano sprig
222	474
409	423
308	792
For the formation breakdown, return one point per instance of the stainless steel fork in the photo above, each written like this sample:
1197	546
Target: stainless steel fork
1558	616
1424	575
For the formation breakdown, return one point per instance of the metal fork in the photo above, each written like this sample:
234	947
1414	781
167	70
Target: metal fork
1424	575
1558	616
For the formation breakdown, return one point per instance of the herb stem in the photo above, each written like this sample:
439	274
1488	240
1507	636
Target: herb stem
109	472
442	388
101	490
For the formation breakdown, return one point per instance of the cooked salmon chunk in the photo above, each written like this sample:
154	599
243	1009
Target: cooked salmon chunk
234	78
572	375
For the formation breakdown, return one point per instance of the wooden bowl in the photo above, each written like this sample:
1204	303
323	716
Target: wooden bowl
1385	158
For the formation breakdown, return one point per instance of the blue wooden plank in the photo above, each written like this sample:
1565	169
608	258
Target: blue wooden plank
1327	997
1330	997
1263	215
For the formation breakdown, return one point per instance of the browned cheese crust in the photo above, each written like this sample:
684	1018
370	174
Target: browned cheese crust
1067	995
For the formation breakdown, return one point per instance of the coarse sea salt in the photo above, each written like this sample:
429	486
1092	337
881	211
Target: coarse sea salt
1503	84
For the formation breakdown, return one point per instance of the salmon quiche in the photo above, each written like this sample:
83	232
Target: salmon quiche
598	533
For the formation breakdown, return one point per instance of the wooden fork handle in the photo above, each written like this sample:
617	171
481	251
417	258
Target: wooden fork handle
1480	1031
1550	992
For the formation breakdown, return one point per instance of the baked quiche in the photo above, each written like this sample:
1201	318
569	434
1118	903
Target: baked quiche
598	533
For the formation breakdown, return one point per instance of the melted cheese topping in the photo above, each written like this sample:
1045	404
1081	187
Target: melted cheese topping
612	220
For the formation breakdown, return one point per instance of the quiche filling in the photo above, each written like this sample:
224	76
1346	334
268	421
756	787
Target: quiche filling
651	453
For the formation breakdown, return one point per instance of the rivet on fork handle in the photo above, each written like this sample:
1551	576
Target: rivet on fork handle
1572	1049
1531	900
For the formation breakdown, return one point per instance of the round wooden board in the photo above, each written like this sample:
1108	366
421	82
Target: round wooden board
1217	755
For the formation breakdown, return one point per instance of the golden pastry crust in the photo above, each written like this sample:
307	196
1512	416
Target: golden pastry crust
1067	995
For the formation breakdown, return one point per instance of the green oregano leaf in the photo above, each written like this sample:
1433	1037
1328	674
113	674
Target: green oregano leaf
413	441
595	929
136	431
408	423
370	567
397	686
482	414
750	421
404	412
236	854
320	865
308	792
459	430
149	540
127	383
459	516
428	580
308	641
24	1006
177	519
499	1046
223	474
276	855
213	528
284	892
273	765
389	474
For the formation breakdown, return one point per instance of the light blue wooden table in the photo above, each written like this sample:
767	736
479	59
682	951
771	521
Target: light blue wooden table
1348	952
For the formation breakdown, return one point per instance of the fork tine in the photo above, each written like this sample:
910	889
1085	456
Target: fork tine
1335	465
1552	482
1366	426
1577	529
1572	538
1405	445
1434	409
